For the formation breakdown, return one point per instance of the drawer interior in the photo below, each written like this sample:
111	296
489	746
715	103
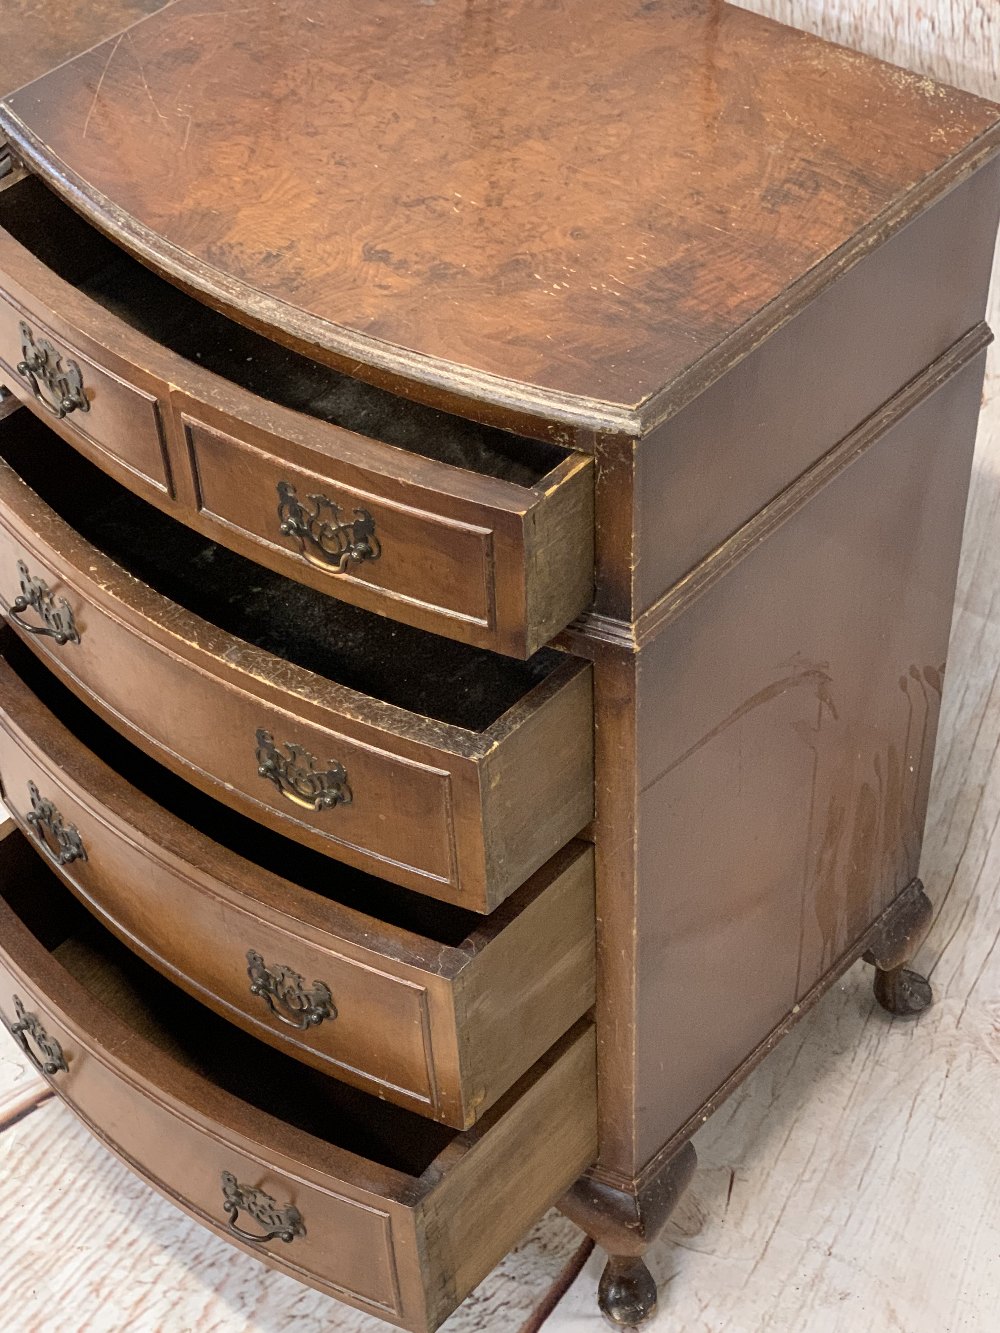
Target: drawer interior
396	906
247	1069
413	669
61	239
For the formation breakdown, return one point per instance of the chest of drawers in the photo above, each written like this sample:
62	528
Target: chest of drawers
478	536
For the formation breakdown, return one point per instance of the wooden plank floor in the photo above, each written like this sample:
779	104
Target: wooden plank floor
851	1184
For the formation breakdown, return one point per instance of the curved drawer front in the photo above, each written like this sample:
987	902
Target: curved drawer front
473	557
445	1029
110	418
448	811
407	1248
456	547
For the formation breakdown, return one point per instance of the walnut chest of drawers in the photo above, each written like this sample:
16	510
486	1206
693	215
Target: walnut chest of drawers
481	491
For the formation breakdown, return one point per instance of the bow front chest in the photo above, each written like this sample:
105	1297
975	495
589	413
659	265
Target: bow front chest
481	489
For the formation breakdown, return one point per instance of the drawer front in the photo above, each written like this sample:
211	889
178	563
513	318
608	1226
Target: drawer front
406	1248
341	1013
447	548
348	1245
408	800
343	532
116	424
422	1024
490	564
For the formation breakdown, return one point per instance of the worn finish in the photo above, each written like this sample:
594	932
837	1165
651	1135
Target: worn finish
466	824
35	43
774	557
376	1235
693	197
813	743
626	1223
424	1021
482	537
715	465
901	991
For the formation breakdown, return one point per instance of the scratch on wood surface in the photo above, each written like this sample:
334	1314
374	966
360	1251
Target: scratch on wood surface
100	84
145	82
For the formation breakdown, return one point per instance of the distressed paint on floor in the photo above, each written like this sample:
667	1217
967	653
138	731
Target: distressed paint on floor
851	1182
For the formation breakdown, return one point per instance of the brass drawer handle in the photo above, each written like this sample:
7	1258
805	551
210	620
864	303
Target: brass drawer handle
44	817
326	540
29	1025
59	623
297	778
279	1223
286	994
63	380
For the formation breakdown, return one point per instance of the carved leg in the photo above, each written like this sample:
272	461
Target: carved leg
898	989
625	1224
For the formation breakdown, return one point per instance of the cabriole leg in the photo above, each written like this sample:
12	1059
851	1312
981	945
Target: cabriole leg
899	989
625	1223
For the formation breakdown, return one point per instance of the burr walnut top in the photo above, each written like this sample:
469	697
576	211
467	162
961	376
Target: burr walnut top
577	211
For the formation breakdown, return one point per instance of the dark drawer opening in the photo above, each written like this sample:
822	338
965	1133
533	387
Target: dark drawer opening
196	1037
78	253
368	894
413	669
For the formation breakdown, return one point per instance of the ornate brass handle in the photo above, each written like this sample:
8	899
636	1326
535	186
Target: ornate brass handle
57	617
44	817
62	379
28	1025
286	994
298	779
279	1222
326	540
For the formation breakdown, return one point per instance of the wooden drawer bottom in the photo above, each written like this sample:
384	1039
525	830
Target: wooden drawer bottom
365	1201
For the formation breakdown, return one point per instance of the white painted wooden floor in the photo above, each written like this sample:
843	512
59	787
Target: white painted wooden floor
852	1184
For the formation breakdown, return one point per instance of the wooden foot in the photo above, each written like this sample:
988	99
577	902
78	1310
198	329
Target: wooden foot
903	992
626	1293
898	989
625	1223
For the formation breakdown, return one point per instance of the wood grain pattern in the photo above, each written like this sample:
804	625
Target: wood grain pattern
35	43
444	1027
812	746
821	1205
121	419
399	1242
851	1181
717	463
169	1271
356	207
195	697
503	562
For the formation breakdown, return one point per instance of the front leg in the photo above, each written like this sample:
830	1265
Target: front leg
625	1223
899	989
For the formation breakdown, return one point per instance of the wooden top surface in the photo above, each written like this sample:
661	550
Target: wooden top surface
38	37
582	210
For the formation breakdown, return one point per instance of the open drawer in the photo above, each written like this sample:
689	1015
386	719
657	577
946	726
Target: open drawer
370	1203
465	530
439	766
428	1005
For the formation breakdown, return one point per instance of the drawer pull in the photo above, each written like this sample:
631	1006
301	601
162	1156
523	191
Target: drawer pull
279	1223
62	380
287	995
295	775
44	817
57	616
326	540
28	1025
